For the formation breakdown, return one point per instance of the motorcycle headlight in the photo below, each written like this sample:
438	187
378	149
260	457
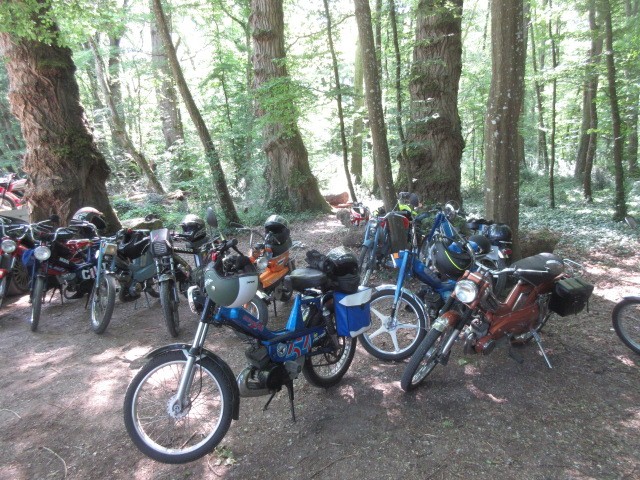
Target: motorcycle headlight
42	253
262	263
466	291
110	249
8	245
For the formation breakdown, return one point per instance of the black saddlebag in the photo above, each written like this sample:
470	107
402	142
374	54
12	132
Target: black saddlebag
570	296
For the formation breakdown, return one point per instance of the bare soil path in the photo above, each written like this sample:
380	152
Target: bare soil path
61	393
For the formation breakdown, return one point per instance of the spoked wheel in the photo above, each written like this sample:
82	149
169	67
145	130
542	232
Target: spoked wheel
36	302
626	322
423	361
160	426
19	279
3	289
169	301
103	299
365	263
394	335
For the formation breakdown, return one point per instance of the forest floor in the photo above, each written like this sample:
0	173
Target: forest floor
62	388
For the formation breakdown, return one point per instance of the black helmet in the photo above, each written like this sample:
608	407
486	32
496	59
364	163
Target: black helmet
91	215
483	243
133	243
194	227
451	261
234	286
278	227
499	232
342	267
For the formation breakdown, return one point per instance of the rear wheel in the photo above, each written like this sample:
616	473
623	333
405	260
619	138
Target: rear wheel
330	357
19	283
423	361
169	301
3	288
36	302
394	337
626	322
103	299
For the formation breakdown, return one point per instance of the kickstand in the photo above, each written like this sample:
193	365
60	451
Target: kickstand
516	356
275	314
146	297
289	385
266	405
536	337
89	297
53	292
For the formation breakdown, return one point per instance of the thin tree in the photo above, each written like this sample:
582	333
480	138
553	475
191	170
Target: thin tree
210	151
543	152
504	107
358	124
66	170
118	126
290	181
373	96
434	134
336	79
554	101
618	140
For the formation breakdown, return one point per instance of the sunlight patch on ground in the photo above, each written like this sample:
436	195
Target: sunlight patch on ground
39	359
633	422
348	393
135	353
625	360
471	370
479	394
103	393
13	473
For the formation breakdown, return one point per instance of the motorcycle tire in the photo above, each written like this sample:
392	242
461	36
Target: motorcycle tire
178	437
103	299
399	342
423	360
326	369
19	283
169	302
626	322
365	264
36	302
4	284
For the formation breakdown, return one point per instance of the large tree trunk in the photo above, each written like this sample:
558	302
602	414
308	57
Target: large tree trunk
336	76
618	139
66	171
373	95
119	128
290	181
504	106
434	135
219	181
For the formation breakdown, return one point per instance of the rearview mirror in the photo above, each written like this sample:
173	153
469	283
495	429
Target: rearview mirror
212	219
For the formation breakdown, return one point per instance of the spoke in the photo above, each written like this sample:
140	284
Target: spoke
381	316
407	326
394	339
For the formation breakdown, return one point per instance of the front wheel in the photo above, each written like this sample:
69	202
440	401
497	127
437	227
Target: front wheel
169	302
36	302
330	357
626	322
103	299
170	431
365	264
423	361
4	283
394	335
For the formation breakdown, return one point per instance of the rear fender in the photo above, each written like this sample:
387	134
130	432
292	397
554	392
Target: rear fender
229	376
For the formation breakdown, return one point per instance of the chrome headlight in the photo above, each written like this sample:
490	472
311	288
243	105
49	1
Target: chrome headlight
8	245
42	253
262	263
110	249
466	291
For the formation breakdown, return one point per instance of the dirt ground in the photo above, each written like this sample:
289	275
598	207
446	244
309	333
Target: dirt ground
62	388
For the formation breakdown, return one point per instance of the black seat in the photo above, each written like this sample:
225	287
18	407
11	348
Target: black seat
303	278
546	266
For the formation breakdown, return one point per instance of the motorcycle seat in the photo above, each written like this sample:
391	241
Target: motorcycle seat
303	278
544	268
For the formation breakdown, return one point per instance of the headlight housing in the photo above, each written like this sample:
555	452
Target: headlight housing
42	253
8	245
466	291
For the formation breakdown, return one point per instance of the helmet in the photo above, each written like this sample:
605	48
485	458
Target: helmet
278	227
232	288
483	243
451	261
499	232
133	243
194	227
91	215
342	267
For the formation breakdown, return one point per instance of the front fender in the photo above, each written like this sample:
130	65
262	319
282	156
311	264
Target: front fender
228	373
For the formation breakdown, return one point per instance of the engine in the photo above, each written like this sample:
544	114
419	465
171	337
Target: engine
470	335
262	376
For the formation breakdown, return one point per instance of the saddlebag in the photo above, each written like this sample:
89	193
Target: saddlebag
353	315
570	295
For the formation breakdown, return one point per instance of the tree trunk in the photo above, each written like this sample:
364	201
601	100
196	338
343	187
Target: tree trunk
358	124
504	106
633	93
118	127
291	184
543	153
373	96
554	95
219	182
434	135
336	76
618	140
66	171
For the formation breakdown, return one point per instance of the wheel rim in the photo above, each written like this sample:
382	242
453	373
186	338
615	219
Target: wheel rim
392	335
428	362
20	276
3	288
629	324
328	365
99	303
172	432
